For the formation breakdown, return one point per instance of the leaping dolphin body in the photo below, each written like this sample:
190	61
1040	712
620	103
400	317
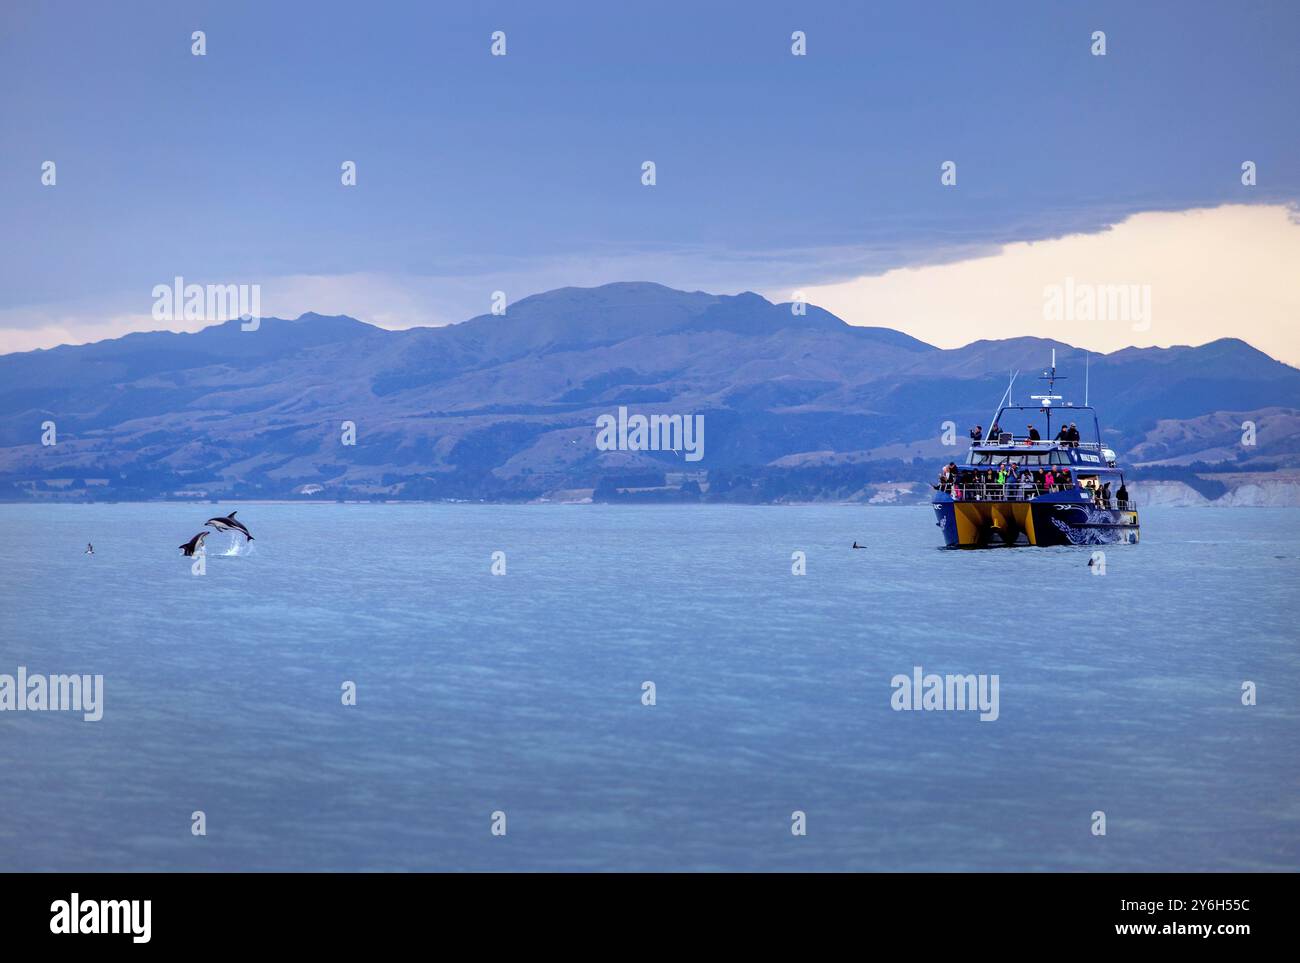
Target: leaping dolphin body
194	544
228	524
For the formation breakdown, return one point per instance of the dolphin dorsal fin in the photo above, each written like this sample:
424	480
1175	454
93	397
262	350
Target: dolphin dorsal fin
231	515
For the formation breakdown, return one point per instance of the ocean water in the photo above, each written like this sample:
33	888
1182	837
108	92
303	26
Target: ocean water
522	693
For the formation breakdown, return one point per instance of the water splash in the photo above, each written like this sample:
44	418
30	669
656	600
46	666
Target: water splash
238	546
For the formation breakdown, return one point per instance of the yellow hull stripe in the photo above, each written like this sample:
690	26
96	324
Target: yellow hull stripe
975	517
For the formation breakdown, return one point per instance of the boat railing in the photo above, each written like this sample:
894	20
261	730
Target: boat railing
1024	492
1006	439
1008	492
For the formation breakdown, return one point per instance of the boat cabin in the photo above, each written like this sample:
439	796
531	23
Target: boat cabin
1025	467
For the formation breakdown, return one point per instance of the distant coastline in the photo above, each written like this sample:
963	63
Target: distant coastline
787	404
1279	489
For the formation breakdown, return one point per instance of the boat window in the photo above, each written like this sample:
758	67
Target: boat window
1021	458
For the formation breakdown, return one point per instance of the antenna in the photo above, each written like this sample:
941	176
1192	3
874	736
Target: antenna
1051	377
1006	398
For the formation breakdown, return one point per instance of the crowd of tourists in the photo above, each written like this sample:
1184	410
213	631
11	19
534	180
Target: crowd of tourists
1011	482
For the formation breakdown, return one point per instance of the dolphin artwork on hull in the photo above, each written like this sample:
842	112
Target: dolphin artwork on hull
193	545
228	523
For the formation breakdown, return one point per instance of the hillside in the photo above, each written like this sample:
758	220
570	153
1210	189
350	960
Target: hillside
795	406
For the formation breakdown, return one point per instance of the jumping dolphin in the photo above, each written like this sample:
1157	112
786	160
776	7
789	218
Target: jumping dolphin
228	524
194	544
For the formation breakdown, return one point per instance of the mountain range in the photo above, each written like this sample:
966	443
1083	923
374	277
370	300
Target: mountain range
797	406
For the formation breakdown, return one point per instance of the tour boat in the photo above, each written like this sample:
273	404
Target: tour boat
1033	488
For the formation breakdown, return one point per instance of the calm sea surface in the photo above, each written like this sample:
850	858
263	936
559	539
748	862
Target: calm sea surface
522	693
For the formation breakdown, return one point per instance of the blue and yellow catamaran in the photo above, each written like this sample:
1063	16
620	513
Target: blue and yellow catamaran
1035	488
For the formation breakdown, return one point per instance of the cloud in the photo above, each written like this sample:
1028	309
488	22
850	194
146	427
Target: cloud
449	293
26	329
1212	272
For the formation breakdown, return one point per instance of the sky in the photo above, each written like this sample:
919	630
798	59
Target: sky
815	175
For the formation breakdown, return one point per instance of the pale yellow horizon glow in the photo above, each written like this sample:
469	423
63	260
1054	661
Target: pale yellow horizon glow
1230	271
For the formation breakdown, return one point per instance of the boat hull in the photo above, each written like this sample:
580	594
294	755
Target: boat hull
989	524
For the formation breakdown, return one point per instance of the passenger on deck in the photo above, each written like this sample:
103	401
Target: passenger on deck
1064	481
1074	434
1121	496
994	432
1049	481
1033	433
976	434
1105	495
